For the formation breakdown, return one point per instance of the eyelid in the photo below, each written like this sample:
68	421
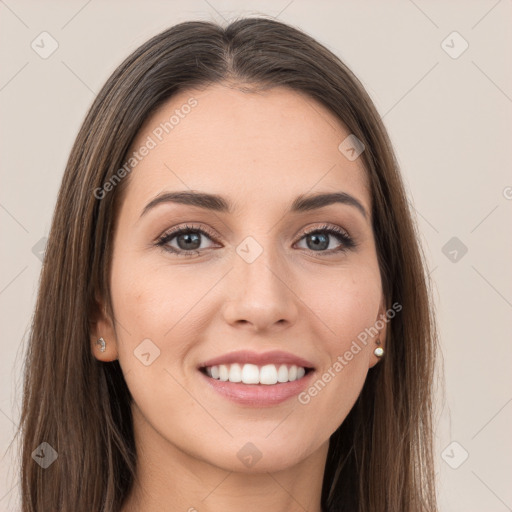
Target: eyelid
325	227
183	228
334	230
346	241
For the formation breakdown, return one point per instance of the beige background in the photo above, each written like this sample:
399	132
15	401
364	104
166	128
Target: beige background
449	118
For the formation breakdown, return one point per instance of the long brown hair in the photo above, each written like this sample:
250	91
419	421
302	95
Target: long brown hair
380	458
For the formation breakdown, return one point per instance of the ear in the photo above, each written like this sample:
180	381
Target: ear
379	340
101	326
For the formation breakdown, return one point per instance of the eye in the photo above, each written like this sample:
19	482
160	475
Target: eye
188	239
319	239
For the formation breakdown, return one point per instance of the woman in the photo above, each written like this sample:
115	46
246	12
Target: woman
233	310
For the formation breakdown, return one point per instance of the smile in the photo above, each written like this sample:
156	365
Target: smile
269	374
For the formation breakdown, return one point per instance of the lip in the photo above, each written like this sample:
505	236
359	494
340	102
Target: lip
258	395
260	359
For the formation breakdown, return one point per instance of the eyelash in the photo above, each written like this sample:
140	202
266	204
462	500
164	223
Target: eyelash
347	242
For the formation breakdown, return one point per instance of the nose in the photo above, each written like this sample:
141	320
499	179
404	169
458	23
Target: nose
260	294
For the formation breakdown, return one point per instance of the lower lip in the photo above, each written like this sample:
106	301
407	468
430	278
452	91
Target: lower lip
259	395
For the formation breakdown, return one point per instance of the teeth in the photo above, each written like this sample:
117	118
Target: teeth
235	373
252	374
283	374
268	374
223	372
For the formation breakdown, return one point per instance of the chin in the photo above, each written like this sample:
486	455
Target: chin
258	455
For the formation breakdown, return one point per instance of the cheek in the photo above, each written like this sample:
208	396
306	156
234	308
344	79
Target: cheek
150	299
347	308
152	312
165	305
347	304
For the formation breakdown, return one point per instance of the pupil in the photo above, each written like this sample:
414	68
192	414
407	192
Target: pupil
189	238
318	243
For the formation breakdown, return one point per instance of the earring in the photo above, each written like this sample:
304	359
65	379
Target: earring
379	351
103	344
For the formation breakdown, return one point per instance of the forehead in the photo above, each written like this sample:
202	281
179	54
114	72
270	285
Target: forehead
259	149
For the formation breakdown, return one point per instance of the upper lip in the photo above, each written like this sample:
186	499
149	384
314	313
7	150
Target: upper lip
260	359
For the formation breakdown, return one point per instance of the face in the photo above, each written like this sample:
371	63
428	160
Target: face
278	285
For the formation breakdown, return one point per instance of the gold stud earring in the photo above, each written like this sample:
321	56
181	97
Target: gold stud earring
103	344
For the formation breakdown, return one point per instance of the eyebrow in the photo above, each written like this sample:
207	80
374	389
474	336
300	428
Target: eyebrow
217	203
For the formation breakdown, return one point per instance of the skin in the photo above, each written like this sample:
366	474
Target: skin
260	150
